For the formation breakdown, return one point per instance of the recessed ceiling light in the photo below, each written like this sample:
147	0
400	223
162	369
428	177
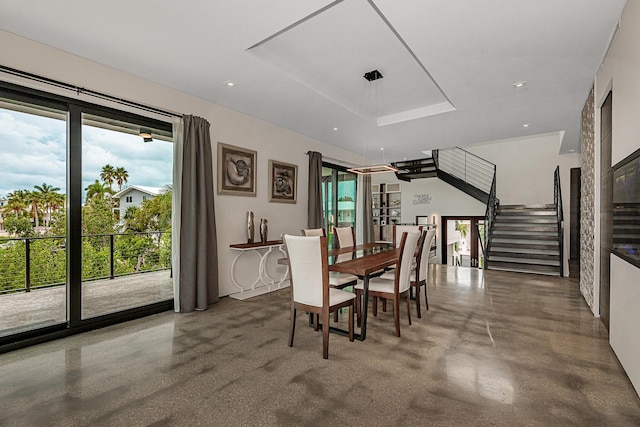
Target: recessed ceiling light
381	148
334	129
525	125
519	85
229	83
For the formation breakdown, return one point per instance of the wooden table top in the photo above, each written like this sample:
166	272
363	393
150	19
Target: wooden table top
369	258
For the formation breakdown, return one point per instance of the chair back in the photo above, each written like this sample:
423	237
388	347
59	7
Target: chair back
399	229
313	232
408	244
345	236
309	269
423	254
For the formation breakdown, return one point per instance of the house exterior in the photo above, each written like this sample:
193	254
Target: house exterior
134	195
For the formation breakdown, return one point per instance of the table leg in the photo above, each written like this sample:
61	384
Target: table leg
363	309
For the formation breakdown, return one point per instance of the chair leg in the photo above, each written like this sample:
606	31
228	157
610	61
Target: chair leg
316	322
358	305
335	315
292	329
418	301
409	308
384	305
375	306
325	341
426	299
396	315
351	322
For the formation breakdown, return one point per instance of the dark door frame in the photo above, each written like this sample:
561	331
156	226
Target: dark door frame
473	239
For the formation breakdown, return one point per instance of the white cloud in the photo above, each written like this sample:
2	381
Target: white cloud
33	151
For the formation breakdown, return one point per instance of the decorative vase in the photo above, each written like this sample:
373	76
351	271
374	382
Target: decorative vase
264	230
250	227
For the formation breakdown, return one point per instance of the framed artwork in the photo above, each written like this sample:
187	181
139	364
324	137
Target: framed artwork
236	170
283	182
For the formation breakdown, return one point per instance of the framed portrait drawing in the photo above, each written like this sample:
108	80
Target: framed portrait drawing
236	170
283	182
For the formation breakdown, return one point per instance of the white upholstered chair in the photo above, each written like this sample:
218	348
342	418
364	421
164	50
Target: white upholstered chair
399	229
400	285
345	236
419	273
310	290
336	280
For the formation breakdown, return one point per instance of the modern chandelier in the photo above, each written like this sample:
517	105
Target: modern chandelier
371	76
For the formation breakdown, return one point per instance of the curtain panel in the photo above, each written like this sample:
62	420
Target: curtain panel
365	203
315	191
198	250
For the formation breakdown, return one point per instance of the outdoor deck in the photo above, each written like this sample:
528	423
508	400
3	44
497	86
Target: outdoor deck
47	306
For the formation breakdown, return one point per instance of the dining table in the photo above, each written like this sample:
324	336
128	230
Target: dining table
366	261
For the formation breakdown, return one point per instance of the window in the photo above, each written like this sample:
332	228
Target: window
338	198
64	233
129	199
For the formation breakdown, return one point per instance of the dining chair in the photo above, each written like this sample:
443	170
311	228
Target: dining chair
345	236
399	229
310	290
336	279
400	285
419	273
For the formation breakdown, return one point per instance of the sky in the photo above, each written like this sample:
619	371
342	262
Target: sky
33	151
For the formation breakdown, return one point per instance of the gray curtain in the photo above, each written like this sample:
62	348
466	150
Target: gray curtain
367	204
315	190
198	242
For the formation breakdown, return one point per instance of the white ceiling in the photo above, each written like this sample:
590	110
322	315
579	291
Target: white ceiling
449	65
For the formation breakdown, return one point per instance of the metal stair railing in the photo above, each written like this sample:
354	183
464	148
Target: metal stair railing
466	166
557	200
479	173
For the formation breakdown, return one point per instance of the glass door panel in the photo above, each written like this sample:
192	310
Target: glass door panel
32	216
126	216
338	199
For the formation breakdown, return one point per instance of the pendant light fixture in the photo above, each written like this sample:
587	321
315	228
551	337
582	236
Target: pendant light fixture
371	76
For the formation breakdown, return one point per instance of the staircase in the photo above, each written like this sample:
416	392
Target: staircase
525	239
520	238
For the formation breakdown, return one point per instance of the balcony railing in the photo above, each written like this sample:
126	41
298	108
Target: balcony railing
39	262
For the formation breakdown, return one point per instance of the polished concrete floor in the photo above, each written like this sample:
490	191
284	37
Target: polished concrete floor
496	348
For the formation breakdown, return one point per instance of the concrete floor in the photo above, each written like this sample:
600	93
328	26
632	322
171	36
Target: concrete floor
496	348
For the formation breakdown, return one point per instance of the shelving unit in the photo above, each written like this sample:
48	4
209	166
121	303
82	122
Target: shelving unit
387	210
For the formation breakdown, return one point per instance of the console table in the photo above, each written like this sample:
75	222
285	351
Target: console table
263	283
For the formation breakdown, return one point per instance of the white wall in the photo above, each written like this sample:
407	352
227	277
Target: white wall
230	127
525	166
620	72
444	200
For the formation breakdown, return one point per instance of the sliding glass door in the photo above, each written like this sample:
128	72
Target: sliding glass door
32	220
126	215
85	215
338	199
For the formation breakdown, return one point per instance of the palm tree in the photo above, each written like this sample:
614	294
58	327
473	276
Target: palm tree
47	193
16	202
108	174
97	190
121	176
34	200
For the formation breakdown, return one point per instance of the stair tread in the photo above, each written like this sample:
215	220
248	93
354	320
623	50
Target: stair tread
524	269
